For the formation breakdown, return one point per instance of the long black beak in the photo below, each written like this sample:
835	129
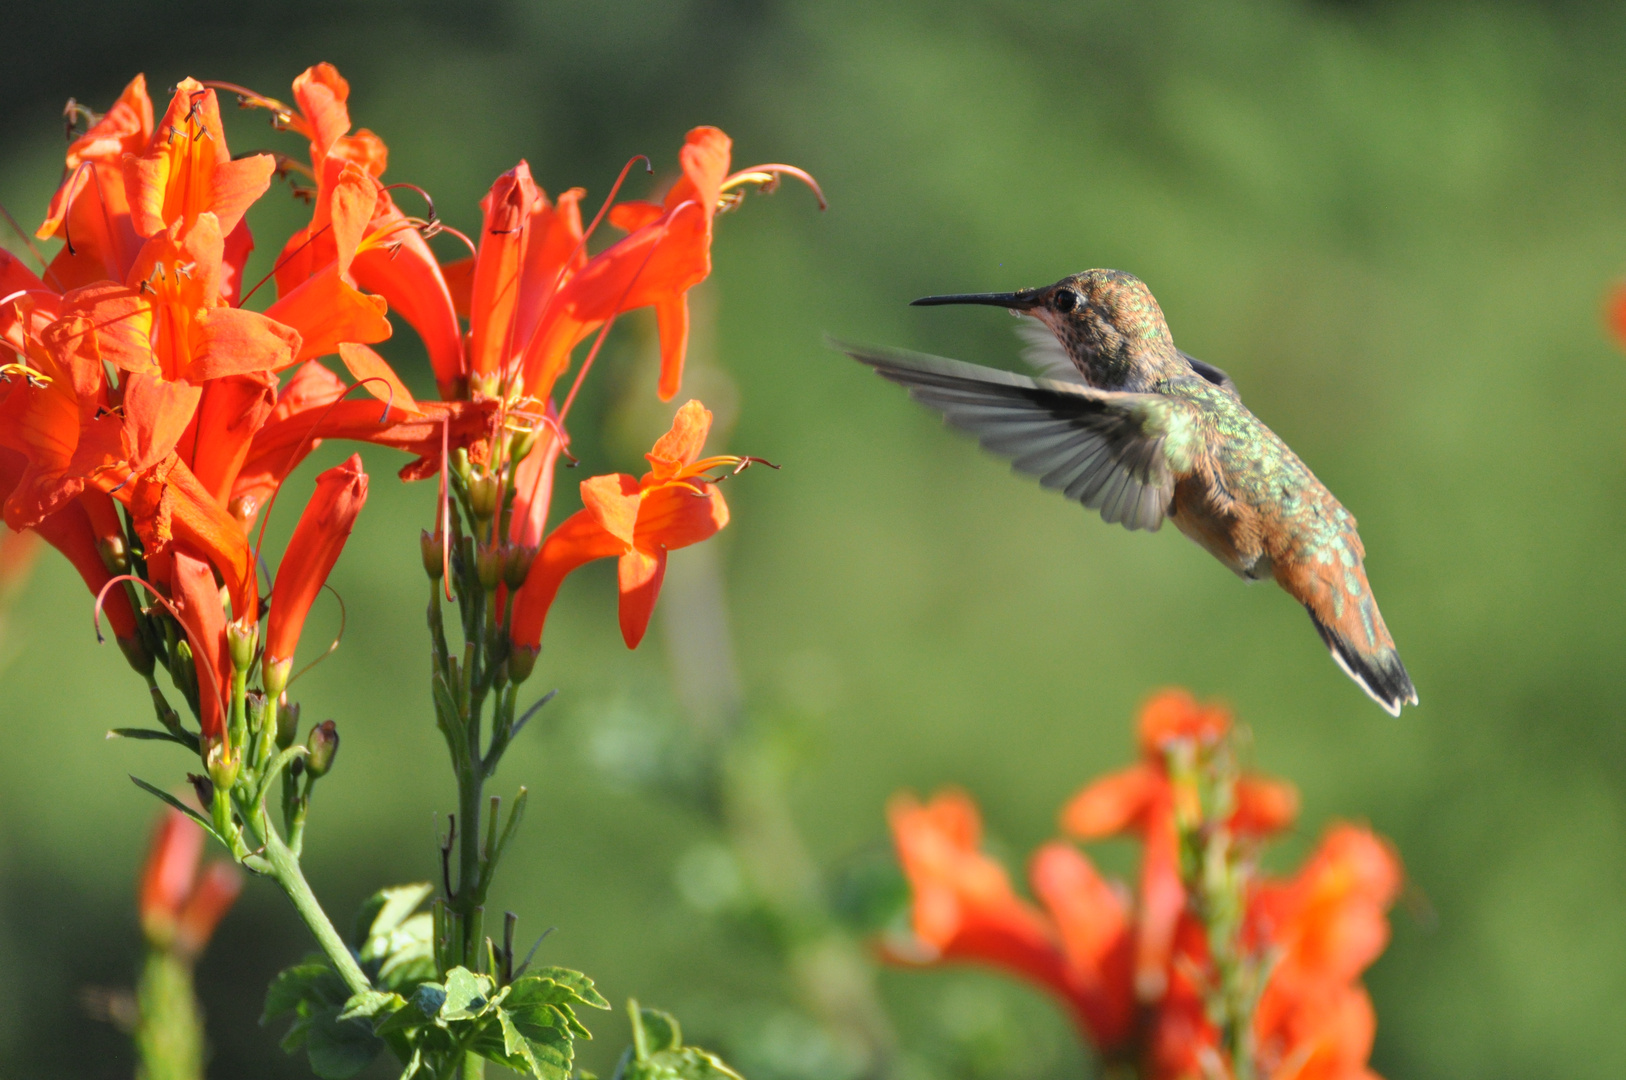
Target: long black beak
1025	300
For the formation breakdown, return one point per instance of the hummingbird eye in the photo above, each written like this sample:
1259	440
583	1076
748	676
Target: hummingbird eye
1064	301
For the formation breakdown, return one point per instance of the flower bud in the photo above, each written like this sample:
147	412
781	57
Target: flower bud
204	789
136	652
518	564
287	722
242	635
115	554
223	766
430	545
483	491
323	743
519	446
274	675
460	462
521	662
488	567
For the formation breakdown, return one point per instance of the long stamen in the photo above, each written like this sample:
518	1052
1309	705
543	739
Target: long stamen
592	353
283	262
767	177
197	649
27	240
282	116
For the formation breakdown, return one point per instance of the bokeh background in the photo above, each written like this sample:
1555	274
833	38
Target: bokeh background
1392	223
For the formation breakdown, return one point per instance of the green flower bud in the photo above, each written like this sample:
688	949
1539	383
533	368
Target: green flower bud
483	492
287	722
521	662
241	637
115	554
517	566
135	652
489	564
429	545
323	743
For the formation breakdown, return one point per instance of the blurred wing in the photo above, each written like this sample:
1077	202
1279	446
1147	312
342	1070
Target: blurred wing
1117	453
1211	373
1044	354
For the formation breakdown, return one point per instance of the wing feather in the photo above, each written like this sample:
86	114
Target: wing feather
1101	448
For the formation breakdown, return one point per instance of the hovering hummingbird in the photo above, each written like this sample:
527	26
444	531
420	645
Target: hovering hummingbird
1124	422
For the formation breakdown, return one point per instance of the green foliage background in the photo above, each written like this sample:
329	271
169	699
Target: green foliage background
1391	223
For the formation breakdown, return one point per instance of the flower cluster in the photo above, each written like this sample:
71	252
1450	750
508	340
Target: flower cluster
1214	969
148	417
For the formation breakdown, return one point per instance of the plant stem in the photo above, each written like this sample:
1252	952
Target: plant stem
286	872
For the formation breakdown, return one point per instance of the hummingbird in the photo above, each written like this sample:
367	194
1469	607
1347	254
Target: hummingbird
1125	423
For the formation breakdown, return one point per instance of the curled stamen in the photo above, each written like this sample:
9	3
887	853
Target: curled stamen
162	601
412	187
767	177
36	379
282	117
344	618
283	262
73	113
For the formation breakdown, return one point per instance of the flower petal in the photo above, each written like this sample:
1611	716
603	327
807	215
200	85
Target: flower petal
638	576
578	540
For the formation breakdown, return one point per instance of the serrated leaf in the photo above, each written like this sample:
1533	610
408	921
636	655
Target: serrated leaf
466	994
568	1016
387	909
414	1063
315	983
653	1031
429	999
689	1063
295	1038
580	985
339	1049
370	1003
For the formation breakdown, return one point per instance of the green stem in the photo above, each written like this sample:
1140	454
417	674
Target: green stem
286	872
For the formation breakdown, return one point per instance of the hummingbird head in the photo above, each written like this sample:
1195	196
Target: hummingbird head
1107	320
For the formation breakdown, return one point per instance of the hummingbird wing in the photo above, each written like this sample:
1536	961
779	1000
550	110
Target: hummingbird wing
1114	452
1211	373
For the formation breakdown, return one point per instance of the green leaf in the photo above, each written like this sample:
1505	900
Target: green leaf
313	983
416	1013
370	1003
387	909
653	1031
339	1049
579	985
208	826
658	1053
413	1065
466	994
146	733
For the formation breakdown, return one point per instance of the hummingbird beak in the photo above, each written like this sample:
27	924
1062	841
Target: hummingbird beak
1024	300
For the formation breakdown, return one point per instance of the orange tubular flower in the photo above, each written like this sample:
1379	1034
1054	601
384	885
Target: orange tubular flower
1141	799
1327	924
636	521
396	262
179	908
90	211
966	910
323	528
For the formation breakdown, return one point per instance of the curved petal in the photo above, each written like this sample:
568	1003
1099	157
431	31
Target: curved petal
638	577
1115	803
325	310
235	342
578	540
674	517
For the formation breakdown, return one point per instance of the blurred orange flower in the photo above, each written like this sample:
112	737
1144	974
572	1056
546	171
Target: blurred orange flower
1309	937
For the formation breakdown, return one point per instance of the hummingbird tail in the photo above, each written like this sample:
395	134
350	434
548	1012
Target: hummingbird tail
1378	671
1334	590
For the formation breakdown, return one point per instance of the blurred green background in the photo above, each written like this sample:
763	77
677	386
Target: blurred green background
1392	223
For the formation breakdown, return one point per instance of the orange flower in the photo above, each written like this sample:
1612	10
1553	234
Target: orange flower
90	210
636	521
396	264
179	909
323	528
1326	924
965	910
1141	799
